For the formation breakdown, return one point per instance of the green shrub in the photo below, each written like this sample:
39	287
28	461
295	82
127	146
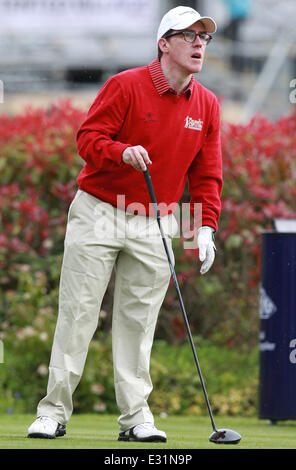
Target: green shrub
231	377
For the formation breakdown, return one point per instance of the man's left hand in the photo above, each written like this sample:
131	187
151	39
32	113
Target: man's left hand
206	248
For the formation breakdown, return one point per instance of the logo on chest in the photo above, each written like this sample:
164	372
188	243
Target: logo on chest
195	124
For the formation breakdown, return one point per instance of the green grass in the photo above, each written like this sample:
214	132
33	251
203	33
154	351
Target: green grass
100	432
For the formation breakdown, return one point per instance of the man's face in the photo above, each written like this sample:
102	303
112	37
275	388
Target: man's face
184	55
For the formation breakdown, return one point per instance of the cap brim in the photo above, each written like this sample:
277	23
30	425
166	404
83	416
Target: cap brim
207	21
209	24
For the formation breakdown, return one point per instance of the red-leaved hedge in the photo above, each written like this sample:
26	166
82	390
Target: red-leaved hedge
39	165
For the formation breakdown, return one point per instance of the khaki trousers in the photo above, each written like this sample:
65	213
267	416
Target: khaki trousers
99	238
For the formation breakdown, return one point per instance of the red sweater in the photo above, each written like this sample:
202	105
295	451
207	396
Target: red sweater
181	134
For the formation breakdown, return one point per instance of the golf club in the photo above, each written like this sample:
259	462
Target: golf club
218	436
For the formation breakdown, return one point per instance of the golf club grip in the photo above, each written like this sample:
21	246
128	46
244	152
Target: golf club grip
151	192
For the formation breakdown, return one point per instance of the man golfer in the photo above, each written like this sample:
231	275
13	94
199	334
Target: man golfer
157	115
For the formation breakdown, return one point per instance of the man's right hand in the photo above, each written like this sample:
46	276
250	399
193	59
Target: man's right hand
137	157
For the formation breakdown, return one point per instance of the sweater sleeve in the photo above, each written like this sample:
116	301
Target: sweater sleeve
96	137
205	174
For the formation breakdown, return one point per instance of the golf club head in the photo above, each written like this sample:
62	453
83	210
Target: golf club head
225	436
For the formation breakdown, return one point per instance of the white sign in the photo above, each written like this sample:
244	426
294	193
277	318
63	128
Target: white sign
285	225
78	16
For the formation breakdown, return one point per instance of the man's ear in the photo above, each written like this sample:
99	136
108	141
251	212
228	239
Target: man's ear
163	45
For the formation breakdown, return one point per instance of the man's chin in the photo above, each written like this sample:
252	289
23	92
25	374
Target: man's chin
196	69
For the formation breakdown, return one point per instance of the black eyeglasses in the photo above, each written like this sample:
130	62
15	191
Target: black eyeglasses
190	36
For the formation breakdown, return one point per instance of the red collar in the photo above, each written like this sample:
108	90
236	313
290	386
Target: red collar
160	82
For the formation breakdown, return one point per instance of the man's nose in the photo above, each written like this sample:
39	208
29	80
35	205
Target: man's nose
197	41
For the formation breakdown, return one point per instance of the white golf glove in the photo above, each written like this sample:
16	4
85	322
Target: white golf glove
206	246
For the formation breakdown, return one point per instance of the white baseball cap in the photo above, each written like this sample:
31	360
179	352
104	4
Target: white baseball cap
183	17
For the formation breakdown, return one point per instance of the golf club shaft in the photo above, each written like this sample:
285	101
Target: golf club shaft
157	214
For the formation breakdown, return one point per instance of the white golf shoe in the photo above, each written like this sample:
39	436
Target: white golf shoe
145	432
46	428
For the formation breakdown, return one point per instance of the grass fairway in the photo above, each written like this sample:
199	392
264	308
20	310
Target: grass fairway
183	432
